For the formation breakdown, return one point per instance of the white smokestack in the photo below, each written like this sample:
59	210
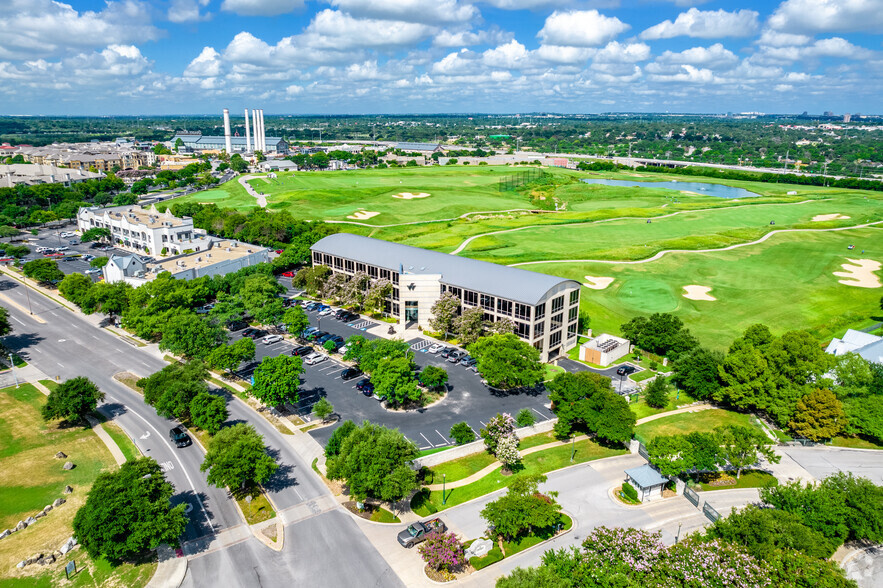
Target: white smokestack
247	136
227	139
263	134
254	127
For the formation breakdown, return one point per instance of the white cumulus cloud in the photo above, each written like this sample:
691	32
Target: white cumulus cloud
580	28
813	16
186	11
206	65
705	24
438	11
716	56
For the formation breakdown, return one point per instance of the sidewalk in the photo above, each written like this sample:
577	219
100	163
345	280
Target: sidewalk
170	571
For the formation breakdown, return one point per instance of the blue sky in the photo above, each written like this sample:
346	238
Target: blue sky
416	56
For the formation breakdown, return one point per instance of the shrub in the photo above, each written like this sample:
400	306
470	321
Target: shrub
462	433
653	365
629	491
442	551
525	417
323	408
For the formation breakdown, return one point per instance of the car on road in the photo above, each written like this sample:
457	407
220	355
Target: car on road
314	358
270	339
287	274
365	386
253	333
179	437
302	351
454	356
447	351
350	373
434	348
626	370
417	532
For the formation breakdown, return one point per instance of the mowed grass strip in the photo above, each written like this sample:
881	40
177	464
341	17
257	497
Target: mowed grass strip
690	422
426	503
676	399
123	441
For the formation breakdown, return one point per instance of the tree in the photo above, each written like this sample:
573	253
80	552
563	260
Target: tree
208	412
229	357
72	400
75	287
295	320
128	512
660	333
670	454
742	447
462	433
110	299
748	381
95	234
371	353
337	438
865	417
374	462
507	452
506	361
502	326
525	417
277	380
444	313
5	325
818	415
469	325
377	293
99	262
394	379
44	271
499	426
237	458
323	408
434	377
541	577
17	251
656	394
442	551
615	422
696	372
171	390
522	508
190	336
586	400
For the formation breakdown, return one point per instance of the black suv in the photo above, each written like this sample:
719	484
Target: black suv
179	437
350	373
236	325
302	351
626	370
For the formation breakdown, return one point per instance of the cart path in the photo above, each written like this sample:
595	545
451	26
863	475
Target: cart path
731	247
466	243
243	181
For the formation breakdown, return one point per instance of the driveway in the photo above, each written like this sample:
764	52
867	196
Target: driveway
620	383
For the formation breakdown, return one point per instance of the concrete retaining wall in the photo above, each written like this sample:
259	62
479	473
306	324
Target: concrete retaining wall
478	446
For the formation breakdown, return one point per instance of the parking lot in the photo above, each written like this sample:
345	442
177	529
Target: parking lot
467	398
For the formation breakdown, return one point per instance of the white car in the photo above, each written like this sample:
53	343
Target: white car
342	350
314	358
435	348
270	339
94	270
326	312
62	235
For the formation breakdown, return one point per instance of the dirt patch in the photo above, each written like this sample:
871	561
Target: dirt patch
829	217
362	215
860	273
409	196
270	532
597	283
695	292
438	575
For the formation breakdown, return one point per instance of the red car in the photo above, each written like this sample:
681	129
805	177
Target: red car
287	274
279	251
53	255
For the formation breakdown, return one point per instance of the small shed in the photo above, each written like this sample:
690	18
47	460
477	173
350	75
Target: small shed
647	481
604	349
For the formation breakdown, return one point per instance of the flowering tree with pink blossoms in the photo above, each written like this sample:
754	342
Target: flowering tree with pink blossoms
442	551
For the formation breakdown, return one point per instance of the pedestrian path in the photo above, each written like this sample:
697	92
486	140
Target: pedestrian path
662	415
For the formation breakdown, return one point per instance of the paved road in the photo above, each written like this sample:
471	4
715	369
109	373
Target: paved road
822	461
620	383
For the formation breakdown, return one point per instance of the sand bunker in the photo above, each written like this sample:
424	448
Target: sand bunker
362	215
860	273
598	283
827	217
694	292
409	196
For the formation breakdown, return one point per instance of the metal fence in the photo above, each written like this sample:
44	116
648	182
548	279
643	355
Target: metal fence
642	451
710	512
692	496
519	178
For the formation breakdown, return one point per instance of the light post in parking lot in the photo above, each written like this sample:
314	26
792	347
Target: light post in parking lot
444	488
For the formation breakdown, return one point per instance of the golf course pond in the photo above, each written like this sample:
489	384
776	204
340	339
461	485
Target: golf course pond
718	190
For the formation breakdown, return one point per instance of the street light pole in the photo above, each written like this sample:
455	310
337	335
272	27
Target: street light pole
12	367
444	489
572	447
678	536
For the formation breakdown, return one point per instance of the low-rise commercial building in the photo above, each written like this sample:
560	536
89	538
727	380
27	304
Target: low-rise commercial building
604	349
219	258
145	230
30	174
197	143
543	308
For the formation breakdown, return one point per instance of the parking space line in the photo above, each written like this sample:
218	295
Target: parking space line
541	414
427	440
444	440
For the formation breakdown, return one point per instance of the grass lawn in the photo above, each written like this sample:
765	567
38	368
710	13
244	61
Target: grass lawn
519	545
748	479
675	400
426	503
855	443
27	444
551	370
51	384
688	422
433	450
381	515
130	451
90	573
642	375
258	510
464	467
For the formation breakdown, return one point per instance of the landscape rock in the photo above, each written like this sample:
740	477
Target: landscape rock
21	564
68	489
68	545
60	455
479	548
47	508
49	559
39	515
59	502
68	465
5	534
30	520
21	525
33	559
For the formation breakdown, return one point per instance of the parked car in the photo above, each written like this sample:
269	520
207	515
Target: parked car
287	303
315	358
270	339
342	350
316	335
287	274
326	311
279	251
253	333
447	351
465	359
626	370
365	387
326	337
202	310
417	532
454	356
311	305
470	365
350	373
94	270
306	332
236	325
179	437
341	313
434	348
349	317
302	351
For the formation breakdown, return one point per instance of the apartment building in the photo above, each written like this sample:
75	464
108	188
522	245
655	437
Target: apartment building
145	230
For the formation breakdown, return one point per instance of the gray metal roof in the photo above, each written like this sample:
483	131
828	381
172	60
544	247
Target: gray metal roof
409	146
499	280
646	476
215	139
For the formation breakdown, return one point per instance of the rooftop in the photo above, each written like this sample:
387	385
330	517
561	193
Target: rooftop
499	280
196	139
646	476
31	173
221	250
869	346
135	215
418	146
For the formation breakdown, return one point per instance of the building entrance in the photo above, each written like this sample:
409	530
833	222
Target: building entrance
411	314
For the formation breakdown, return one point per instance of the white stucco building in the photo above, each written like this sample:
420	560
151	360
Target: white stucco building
544	308
143	230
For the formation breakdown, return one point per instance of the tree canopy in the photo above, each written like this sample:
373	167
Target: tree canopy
237	458
43	270
586	400
72	400
172	389
277	380
523	507
506	361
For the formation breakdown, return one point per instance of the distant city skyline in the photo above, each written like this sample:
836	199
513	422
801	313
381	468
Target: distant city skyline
122	57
